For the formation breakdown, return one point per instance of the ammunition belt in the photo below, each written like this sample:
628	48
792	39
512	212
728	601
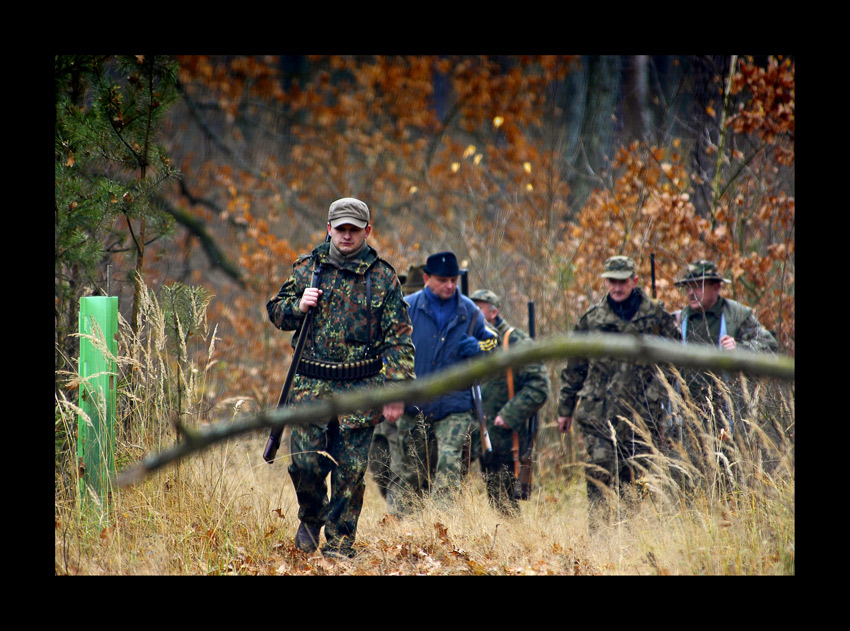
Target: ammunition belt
340	371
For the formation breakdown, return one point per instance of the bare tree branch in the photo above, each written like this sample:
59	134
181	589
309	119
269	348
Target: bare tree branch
625	347
196	227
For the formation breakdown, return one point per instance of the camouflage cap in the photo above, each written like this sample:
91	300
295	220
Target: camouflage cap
485	295
413	280
348	210
701	270
619	267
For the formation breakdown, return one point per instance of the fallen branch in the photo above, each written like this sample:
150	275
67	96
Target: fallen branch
630	348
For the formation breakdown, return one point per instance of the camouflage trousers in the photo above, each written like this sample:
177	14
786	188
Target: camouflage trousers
609	465
346	460
427	454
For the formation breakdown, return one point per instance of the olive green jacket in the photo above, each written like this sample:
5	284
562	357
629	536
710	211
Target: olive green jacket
730	317
531	388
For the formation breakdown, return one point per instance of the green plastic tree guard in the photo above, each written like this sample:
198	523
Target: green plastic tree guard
98	371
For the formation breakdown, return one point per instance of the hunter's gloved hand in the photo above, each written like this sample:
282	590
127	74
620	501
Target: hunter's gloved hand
469	347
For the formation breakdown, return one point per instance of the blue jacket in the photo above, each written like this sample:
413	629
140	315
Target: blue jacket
437	350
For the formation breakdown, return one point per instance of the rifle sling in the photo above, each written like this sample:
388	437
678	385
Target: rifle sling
510	377
368	366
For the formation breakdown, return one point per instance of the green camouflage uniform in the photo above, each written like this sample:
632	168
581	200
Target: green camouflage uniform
531	389
385	433
341	333
597	392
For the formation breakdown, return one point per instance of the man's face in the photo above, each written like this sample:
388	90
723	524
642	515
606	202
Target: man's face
348	238
490	312
620	288
702	295
442	286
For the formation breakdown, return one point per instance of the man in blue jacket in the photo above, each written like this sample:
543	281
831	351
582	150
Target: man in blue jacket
447	328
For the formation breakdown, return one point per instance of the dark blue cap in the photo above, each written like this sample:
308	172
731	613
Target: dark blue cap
442	264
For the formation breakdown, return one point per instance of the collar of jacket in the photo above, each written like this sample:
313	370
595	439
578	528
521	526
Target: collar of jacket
419	300
716	309
357	265
647	307
501	327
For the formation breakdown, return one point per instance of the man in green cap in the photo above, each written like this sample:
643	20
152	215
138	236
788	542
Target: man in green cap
360	338
595	393
709	318
509	400
714	320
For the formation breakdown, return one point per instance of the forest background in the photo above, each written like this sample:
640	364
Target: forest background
195	181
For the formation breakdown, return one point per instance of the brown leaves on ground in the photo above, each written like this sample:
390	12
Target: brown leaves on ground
401	552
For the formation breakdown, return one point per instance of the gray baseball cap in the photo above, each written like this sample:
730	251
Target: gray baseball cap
348	210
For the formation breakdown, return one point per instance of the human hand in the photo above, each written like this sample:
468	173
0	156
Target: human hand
310	298
500	422
727	342
565	423
393	412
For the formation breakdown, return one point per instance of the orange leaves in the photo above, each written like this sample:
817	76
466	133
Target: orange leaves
451	150
770	110
648	209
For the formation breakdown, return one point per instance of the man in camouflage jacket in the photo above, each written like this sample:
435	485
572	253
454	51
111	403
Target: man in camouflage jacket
714	320
597	392
360	316
507	416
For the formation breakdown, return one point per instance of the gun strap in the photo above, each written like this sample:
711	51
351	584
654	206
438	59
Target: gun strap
367	366
510	377
315	281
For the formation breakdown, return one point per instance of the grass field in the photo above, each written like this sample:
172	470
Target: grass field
228	512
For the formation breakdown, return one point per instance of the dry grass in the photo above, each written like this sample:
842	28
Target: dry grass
226	511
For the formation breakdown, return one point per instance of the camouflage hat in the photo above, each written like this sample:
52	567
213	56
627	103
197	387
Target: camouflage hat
619	267
485	295
413	280
701	270
348	210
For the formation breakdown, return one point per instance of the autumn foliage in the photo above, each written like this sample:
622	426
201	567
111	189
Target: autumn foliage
463	153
